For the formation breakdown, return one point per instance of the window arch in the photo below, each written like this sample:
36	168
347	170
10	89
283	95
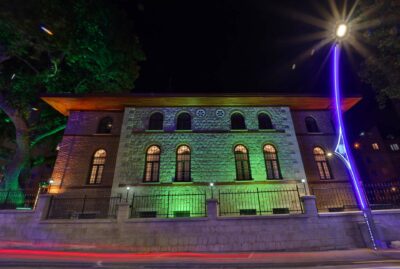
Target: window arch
264	121
242	163
311	125
105	125
271	162
322	163
97	167
152	166
237	121
184	121
183	164
156	121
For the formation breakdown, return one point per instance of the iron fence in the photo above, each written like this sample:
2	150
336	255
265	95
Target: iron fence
169	205
260	202
18	199
383	195
83	207
334	198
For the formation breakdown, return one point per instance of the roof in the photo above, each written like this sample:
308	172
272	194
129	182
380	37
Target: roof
66	103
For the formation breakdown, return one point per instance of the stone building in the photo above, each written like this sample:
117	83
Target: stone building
169	145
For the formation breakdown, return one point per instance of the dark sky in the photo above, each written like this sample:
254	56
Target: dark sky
230	46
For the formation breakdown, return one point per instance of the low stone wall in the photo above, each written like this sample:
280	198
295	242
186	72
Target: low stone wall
309	231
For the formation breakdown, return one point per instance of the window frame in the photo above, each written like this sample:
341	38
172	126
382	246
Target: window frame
177	162
97	179
268	123
151	122
320	165
315	124
235	153
102	126
152	162
178	121
273	163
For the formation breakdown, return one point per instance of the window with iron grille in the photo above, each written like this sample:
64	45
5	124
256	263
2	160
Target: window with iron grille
271	162
105	125
96	171
156	121
237	122
152	166
183	164
184	122
322	163
311	125
264	121
242	163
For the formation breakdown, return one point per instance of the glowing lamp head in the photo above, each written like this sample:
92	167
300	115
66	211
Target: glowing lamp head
303	180
51	181
341	30
211	184
128	188
329	154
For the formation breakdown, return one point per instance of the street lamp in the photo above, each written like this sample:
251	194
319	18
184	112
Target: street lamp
342	149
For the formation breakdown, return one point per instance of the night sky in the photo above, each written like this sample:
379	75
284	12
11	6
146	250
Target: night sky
231	46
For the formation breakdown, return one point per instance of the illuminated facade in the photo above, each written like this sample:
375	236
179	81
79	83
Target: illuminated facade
155	145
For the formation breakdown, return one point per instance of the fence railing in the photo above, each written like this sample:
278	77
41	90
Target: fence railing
383	195
83	207
18	199
169	205
260	202
334	198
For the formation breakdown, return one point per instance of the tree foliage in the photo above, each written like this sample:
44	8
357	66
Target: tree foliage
382	69
58	46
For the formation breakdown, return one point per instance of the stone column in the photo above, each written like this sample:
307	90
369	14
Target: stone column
42	206
212	208
123	211
309	205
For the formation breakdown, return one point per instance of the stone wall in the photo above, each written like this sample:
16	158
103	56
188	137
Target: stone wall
211	141
309	231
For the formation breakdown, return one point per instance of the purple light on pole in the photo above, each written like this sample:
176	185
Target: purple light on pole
342	150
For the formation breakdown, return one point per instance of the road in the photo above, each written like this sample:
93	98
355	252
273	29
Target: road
20	258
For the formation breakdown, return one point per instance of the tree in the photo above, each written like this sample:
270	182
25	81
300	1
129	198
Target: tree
57	46
382	70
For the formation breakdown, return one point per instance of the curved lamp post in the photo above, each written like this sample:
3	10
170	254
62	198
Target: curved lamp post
342	149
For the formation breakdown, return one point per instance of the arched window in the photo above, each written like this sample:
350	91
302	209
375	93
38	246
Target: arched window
184	122
264	121
156	121
183	164
271	162
242	163
237	122
105	125
96	171
311	125
322	163
152	167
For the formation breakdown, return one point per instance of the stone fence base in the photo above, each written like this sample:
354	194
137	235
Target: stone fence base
300	232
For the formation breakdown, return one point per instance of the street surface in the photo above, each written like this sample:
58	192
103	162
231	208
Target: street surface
360	258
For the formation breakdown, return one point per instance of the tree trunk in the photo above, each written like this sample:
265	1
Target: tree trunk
21	157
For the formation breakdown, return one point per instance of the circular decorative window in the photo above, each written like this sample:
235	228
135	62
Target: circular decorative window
219	113
200	113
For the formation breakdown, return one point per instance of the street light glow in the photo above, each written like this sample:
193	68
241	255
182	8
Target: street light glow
341	30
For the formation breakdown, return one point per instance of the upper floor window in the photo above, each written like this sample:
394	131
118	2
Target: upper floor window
394	147
264	121
237	122
184	121
183	164
271	162
105	125
97	168
156	121
152	166
322	163
311	125
375	146
242	163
